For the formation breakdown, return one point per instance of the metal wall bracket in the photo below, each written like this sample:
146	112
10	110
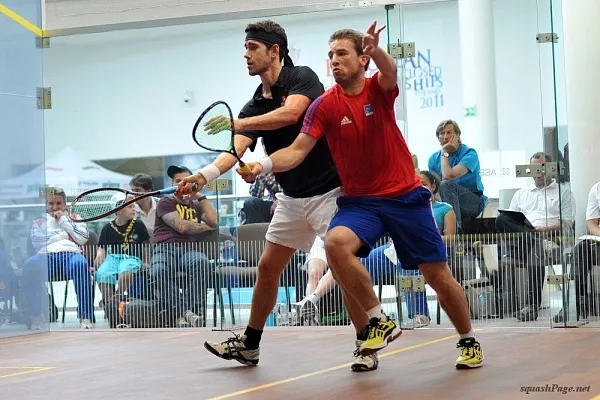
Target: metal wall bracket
546	38
401	50
42	42
219	184
557	279
405	283
44	98
418	283
411	283
46	192
549	169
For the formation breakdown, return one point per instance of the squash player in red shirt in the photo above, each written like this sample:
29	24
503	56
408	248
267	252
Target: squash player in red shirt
382	192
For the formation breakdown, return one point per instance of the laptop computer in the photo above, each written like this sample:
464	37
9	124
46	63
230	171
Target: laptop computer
517	216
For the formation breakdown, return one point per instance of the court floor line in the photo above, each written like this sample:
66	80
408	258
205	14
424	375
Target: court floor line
28	370
22	339
331	369
20	20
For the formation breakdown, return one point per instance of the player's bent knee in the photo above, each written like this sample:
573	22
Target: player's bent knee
340	242
437	275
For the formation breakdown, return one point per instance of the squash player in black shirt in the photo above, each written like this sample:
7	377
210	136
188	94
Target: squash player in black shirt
307	203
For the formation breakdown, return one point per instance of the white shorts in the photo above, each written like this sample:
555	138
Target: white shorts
297	222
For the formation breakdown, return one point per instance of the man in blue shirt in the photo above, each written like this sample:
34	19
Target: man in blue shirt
458	165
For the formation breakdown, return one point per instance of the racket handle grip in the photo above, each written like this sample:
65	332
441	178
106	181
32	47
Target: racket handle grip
173	189
245	169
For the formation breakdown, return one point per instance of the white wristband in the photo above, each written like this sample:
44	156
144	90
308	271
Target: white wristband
267	165
210	173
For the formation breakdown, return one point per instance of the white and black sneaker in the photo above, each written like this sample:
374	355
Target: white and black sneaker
364	363
309	312
234	349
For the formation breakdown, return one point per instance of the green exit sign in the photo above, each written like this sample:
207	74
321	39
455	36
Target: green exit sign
470	111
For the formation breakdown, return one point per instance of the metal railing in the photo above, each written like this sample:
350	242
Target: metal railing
509	280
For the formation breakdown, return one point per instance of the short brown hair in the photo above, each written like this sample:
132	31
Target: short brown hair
143	181
354	36
444	124
269	26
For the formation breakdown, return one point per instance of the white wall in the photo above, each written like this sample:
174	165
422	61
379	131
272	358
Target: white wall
120	94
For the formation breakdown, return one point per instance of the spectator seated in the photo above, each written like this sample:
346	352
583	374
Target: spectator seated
534	220
458	167
57	240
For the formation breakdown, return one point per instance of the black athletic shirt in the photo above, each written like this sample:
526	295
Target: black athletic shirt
112	238
317	173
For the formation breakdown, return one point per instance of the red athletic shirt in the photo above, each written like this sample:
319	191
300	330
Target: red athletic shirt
367	146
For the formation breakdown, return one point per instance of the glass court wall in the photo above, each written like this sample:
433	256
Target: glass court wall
506	99
22	173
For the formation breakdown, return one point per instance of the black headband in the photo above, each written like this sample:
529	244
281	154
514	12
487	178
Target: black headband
269	39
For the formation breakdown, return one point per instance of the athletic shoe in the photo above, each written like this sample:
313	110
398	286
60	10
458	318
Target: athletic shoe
309	312
360	363
234	349
471	355
421	321
381	333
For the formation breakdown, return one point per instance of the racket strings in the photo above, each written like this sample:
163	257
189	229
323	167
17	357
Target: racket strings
95	204
214	129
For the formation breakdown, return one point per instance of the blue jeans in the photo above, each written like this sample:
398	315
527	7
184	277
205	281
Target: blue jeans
64	265
180	265
379	265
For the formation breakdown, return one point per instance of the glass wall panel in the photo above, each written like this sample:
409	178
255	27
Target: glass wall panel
569	302
144	90
23	291
474	115
557	236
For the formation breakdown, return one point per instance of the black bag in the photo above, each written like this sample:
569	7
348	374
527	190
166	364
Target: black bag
129	312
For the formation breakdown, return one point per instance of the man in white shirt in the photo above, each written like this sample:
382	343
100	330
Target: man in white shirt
58	240
585	254
542	206
145	209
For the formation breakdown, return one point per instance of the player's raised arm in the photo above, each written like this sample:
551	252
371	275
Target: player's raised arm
315	126
305	87
293	109
388	70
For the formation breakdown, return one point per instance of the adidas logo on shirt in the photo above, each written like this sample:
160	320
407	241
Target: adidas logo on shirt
346	120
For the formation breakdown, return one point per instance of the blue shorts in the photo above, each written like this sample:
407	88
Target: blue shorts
408	219
114	265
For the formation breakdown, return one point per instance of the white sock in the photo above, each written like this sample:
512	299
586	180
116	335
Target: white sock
375	312
469	335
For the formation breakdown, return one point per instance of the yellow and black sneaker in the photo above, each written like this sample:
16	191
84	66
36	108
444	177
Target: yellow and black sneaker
381	333
471	355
